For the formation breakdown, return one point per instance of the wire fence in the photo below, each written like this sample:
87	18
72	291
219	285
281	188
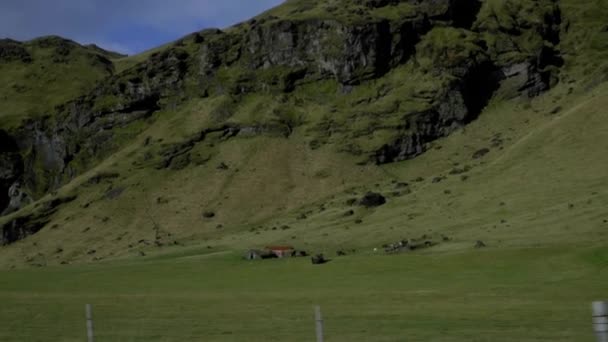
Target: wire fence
95	323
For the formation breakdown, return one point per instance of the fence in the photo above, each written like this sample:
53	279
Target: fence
103	322
599	319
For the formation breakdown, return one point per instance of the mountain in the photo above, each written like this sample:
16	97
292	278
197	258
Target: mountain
43	73
472	119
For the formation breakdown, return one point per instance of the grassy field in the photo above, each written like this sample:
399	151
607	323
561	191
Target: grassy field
537	294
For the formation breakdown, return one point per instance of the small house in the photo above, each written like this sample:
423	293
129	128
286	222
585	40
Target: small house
281	251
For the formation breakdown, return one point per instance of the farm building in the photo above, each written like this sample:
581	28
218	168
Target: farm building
281	251
272	252
253	254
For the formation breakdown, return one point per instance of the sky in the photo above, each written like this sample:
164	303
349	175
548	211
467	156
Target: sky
126	26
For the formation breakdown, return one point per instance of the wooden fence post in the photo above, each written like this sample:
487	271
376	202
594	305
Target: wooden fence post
319	323
600	320
89	315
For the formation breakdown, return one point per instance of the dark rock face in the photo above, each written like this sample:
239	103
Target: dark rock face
81	132
11	51
18	198
23	226
532	82
349	52
20	228
536	70
326	48
456	108
477	79
11	169
291	50
464	12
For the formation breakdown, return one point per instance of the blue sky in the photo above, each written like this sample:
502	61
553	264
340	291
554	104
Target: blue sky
127	26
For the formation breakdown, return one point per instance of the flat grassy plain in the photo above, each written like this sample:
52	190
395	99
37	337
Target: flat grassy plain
536	294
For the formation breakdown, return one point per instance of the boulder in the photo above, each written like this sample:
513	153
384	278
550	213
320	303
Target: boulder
481	153
480	244
17	199
372	199
318	259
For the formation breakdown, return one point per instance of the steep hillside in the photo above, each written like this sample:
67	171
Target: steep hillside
37	75
272	130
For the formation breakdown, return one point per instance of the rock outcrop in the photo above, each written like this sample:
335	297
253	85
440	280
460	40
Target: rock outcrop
461	103
62	145
27	224
11	51
522	50
330	48
11	170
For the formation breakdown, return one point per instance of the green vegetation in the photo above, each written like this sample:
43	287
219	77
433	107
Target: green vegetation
57	70
346	12
282	158
501	22
498	295
442	49
285	178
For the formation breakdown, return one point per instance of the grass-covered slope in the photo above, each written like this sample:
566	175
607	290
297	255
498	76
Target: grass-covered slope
529	190
242	138
37	75
379	88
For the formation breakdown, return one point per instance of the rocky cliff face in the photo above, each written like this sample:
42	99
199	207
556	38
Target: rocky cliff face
500	53
329	48
473	47
350	51
60	146
11	170
11	51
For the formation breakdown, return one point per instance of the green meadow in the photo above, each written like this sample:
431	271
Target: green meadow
533	294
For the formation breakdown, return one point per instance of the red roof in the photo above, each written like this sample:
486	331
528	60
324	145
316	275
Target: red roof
279	248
